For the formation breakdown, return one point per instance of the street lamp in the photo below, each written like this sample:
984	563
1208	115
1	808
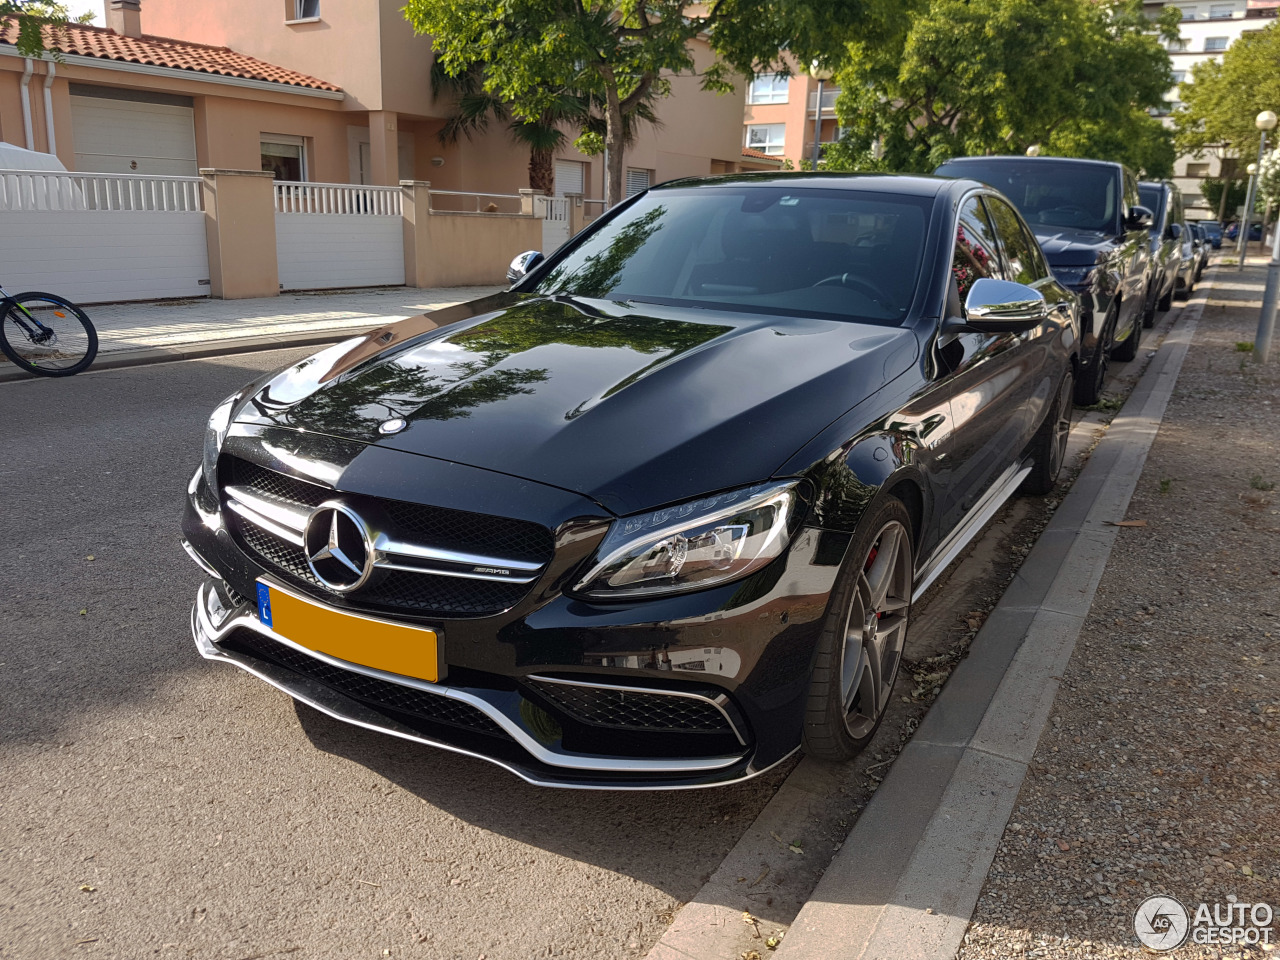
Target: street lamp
822	75
1265	122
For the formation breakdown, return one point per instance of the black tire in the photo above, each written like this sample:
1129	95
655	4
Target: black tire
1094	373
61	344
1149	310
1129	349
847	701
1164	306
1049	448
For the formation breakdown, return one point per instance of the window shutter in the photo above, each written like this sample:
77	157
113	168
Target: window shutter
569	178
637	181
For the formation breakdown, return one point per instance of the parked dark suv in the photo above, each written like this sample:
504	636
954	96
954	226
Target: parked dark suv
1164	200
1093	230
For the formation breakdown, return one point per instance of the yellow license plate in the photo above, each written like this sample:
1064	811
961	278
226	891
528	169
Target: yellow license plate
394	647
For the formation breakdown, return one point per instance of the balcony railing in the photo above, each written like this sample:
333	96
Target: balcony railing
828	100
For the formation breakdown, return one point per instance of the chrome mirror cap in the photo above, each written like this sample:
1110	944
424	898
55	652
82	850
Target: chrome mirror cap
522	264
999	305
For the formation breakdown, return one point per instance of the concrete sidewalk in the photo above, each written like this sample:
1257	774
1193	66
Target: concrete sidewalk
162	330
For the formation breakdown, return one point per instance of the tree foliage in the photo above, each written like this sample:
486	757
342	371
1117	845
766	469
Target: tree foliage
1212	189
621	53
961	77
1222	97
39	21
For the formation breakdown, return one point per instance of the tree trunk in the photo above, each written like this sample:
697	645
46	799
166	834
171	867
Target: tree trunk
1222	204
613	144
542	171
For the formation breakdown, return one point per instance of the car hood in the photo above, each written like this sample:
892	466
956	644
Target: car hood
633	405
1066	247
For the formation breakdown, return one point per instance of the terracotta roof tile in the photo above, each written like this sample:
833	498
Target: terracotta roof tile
86	41
757	155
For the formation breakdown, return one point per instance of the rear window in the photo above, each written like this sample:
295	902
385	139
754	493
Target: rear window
1080	196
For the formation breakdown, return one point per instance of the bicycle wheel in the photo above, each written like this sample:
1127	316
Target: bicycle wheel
47	335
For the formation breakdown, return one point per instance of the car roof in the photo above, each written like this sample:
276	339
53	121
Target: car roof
1025	159
902	184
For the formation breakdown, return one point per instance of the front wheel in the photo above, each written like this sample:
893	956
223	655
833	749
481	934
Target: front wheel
1049	448
1129	349
47	335
862	640
1094	373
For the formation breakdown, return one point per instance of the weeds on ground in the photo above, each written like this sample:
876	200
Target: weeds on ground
1244	346
1165	486
1107	404
1258	483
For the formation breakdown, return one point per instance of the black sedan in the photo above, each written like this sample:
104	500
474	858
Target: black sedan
656	516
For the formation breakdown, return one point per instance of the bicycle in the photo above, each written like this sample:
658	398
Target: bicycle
45	334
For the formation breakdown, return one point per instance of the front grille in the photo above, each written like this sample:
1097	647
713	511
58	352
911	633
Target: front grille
390	591
629	710
370	690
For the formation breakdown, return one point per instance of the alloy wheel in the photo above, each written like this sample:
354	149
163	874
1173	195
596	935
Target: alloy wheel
876	630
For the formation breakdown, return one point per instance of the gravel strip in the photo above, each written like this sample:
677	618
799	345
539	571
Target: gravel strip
1158	772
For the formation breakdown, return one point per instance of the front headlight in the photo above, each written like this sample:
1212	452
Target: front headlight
215	432
1074	276
694	545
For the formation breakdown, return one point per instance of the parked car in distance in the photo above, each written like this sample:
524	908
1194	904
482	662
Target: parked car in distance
1188	258
1203	249
1255	231
1165	202
656	515
1213	229
1087	218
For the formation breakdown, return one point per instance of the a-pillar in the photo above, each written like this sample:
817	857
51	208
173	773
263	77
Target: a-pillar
240	227
384	148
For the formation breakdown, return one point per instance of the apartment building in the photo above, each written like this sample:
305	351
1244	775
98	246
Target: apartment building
782	116
1208	29
333	91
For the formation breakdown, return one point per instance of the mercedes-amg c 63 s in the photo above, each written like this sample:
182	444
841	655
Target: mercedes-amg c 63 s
656	515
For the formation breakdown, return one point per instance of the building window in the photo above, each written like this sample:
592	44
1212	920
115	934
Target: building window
769	89
1197	169
306	9
1179	76
1221	11
1188	13
637	181
768	138
1215	44
285	157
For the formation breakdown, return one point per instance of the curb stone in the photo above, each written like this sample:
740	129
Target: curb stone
115	359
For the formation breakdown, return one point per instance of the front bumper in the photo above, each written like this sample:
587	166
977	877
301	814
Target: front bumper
220	617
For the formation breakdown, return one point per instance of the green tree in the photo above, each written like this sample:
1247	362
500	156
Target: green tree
543	135
961	77
40	24
623	52
1212	189
1222	97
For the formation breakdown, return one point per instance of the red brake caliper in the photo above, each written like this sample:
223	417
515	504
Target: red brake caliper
871	558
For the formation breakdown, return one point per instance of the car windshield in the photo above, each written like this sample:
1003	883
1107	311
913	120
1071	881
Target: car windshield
1081	196
840	254
1150	198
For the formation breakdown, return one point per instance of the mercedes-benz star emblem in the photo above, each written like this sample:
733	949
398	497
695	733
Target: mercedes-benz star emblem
338	547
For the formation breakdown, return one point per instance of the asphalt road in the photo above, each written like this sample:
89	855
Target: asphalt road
153	804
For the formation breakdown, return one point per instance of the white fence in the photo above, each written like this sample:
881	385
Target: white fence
554	214
331	235
107	192
102	237
337	198
460	201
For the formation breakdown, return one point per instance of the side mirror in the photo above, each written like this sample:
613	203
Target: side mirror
998	306
1140	218
1175	231
522	264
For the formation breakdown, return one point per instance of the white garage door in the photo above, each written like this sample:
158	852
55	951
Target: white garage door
123	131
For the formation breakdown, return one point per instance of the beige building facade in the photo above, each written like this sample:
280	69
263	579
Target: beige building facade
334	91
781	117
